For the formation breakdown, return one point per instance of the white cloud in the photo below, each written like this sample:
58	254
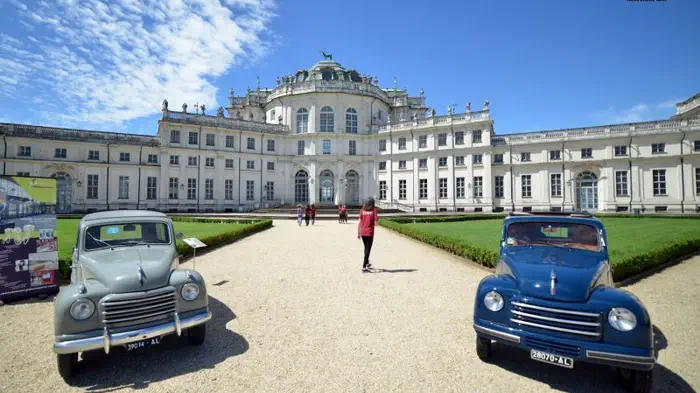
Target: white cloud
636	113
109	62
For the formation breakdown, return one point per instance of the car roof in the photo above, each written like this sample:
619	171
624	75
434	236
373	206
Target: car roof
588	220
122	214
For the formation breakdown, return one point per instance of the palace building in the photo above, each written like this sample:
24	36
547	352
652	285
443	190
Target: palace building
330	135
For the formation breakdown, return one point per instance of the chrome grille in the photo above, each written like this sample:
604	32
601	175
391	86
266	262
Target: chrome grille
130	309
572	322
553	347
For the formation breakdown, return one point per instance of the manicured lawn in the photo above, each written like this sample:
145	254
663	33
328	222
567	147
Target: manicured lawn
67	232
627	237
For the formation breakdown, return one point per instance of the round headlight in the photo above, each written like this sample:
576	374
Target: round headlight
82	309
190	291
622	319
493	301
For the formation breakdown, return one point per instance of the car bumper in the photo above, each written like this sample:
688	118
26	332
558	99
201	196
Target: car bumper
588	351
108	340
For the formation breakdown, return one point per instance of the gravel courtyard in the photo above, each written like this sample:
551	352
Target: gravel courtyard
294	313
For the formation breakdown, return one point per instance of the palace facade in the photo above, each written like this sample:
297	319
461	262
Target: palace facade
330	135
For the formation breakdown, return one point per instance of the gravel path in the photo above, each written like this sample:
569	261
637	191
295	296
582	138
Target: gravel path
293	312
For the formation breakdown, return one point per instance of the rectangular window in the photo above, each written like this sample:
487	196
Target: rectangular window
382	145
696	145
459	160
477	159
526	186
270	190
93	183
586	152
175	136
697	181
152	159
382	165
229	163
228	189
211	140
659	177
151	184
352	148
193	138
422	141
476	136
123	187
174	160
60	153
25	174
402	189
250	164
498	189
459	138
525	157
422	188
24	151
270	165
621	183
191	188
229	141
498	158
442	139
94	155
442	187
270	145
124	157
459	188
251	143
555	184
478	186
300	148
192	161
250	190
209	189
209	162
402	143
402	164
620	151
442	162
554	155
173	188
382	189
326	146
658	148
423	163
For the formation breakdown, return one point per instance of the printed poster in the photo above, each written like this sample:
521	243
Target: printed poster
28	246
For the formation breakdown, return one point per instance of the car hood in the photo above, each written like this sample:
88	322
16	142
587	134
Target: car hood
129	269
575	271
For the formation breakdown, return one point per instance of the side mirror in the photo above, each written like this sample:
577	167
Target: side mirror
179	236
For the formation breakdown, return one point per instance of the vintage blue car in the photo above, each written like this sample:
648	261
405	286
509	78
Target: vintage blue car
553	295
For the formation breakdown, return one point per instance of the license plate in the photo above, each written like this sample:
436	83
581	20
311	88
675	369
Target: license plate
142	344
551	358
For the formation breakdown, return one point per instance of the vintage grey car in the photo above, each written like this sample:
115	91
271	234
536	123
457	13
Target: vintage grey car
126	288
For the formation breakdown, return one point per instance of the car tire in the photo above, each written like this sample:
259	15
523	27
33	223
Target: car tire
67	365
636	381
197	334
483	348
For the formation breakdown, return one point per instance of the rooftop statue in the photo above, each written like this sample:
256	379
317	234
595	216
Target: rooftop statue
230	92
486	105
165	105
203	108
327	55
184	107
220	112
422	92
278	81
432	112
469	106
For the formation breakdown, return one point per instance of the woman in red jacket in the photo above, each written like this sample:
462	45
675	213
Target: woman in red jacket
365	230
313	213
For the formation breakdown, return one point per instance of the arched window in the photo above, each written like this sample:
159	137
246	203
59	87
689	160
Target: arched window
587	192
351	121
327	119
301	187
302	121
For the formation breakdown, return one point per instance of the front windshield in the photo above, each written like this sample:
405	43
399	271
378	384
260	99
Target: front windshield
126	234
558	234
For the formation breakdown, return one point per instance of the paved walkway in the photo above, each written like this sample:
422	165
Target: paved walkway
293	313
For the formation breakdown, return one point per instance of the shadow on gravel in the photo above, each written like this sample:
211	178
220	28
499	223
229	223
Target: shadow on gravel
173	357
394	270
585	377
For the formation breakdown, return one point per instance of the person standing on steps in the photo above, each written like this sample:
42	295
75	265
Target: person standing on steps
299	214
313	213
340	214
365	230
307	214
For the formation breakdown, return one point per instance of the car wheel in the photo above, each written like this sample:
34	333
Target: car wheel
483	348
197	334
636	381
67	365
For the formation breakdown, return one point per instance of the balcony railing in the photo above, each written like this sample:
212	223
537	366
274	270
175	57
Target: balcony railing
461	118
321	86
683	108
67	134
215	121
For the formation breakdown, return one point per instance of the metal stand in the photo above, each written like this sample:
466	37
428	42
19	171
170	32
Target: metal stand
194	259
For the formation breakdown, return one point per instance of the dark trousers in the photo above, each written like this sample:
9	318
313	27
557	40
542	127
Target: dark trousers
313	220
367	240
307	220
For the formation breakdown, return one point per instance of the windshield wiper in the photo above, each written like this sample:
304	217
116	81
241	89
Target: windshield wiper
98	240
129	243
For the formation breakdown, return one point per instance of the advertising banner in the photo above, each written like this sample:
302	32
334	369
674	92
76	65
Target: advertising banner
28	246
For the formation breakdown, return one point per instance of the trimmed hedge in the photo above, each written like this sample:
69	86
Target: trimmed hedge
429	219
636	264
480	255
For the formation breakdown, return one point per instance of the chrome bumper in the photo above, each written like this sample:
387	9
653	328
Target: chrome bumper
108	340
495	333
632	361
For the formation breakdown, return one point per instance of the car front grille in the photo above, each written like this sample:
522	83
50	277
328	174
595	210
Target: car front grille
556	320
553	347
134	308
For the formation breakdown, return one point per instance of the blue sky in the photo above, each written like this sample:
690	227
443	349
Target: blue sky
542	64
